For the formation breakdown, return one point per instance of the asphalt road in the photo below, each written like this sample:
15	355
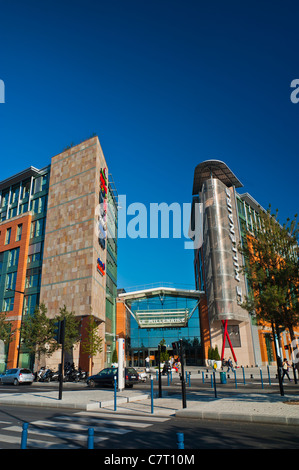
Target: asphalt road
65	429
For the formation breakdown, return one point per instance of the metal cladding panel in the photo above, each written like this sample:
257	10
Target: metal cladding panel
225	285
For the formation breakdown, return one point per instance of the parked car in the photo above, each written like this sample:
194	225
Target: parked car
17	376
106	377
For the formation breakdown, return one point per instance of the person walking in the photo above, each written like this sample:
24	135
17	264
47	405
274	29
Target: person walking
230	365
285	369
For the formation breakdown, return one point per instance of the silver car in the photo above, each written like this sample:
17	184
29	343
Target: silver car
17	376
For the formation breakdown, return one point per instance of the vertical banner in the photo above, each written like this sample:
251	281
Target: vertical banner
121	363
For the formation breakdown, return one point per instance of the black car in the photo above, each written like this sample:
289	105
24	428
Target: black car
106	377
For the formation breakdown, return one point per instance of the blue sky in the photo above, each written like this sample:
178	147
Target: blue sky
165	85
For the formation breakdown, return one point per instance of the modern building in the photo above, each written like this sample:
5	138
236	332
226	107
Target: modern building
159	315
220	216
54	247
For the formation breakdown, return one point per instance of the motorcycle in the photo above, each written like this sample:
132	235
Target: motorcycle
71	375
49	375
39	374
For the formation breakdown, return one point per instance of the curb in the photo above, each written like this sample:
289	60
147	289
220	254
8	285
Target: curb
248	418
76	406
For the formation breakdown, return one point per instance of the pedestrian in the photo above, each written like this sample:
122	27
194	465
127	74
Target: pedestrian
285	369
230	365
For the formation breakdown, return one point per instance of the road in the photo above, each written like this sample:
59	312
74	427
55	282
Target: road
64	429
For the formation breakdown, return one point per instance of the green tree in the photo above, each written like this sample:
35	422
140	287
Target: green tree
37	333
165	354
271	266
5	329
72	328
93	343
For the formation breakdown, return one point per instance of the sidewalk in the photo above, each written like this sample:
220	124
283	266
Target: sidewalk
252	405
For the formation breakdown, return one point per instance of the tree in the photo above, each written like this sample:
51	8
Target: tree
93	343
37	333
72	328
5	329
164	355
271	266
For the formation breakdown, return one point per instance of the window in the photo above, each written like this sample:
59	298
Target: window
25	190
23	208
19	232
4	199
13	257
8	304
12	212
39	205
37	228
15	194
30	302
7	236
10	283
33	277
35	252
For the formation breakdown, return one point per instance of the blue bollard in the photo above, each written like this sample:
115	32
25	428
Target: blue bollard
157	374
269	375
235	379
152	395
90	439
243	375
115	399
262	378
24	436
189	379
180	438
203	377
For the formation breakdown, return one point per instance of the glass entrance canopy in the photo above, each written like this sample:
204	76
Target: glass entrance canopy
162	307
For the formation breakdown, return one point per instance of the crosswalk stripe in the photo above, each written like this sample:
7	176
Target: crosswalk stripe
75	428
99	414
129	424
34	443
56	433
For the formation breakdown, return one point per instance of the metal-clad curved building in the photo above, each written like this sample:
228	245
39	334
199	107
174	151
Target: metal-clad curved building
216	231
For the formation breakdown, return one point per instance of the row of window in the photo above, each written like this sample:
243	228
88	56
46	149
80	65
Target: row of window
38	206
8	234
21	191
37	229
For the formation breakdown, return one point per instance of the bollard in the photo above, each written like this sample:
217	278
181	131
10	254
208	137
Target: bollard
262	378
180	438
243	375
171	376
203	377
115	397
269	375
189	379
24	436
235	379
157	375
152	395
90	438
215	384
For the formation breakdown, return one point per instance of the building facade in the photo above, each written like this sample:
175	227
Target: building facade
55	249
220	218
159	315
